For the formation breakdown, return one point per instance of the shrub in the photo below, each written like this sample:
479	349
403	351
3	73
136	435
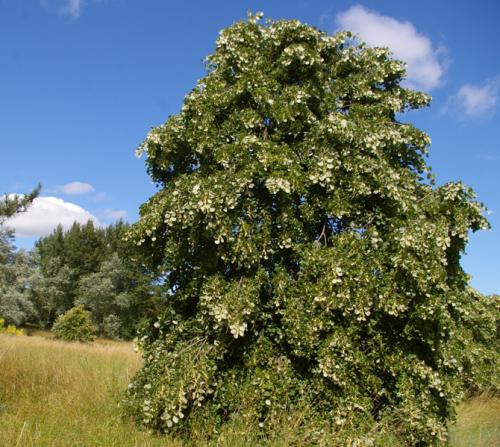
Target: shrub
312	262
9	329
74	325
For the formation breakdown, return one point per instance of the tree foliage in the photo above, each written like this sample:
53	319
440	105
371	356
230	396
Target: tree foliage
15	267
309	259
476	342
119	295
13	204
15	272
95	268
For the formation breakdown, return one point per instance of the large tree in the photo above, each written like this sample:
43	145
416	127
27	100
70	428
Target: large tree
311	260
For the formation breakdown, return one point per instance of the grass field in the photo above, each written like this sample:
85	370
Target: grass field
61	394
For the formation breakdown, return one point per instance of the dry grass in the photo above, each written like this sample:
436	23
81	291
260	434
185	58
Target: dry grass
54	393
61	394
478	424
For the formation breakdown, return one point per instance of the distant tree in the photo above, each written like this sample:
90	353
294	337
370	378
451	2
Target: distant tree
65	257
7	248
119	295
52	293
112	327
93	266
49	248
15	269
115	242
310	261
84	248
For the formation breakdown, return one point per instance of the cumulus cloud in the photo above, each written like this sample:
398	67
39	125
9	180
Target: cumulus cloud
476	101
45	214
115	214
75	188
424	68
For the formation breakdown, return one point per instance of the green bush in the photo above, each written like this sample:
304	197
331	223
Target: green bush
313	264
74	325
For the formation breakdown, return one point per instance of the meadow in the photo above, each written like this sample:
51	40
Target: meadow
60	394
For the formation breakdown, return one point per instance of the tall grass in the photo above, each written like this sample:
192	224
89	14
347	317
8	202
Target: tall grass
65	394
478	423
61	394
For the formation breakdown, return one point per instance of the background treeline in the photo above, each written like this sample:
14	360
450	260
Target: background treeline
88	266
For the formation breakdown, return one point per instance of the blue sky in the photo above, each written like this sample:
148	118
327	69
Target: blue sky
83	81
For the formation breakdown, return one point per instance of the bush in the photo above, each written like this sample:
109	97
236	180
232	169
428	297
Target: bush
74	325
9	329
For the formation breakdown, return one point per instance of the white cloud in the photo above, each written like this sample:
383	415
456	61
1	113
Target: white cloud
424	70
115	214
75	188
45	214
474	101
71	8
67	8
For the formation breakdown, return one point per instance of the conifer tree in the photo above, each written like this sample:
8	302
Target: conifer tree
13	204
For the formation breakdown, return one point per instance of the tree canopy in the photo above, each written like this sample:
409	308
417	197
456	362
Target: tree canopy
309	257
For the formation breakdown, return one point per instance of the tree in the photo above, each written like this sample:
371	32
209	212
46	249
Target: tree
310	258
13	204
51	291
83	248
15	268
15	271
49	248
94	267
119	295
64	258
